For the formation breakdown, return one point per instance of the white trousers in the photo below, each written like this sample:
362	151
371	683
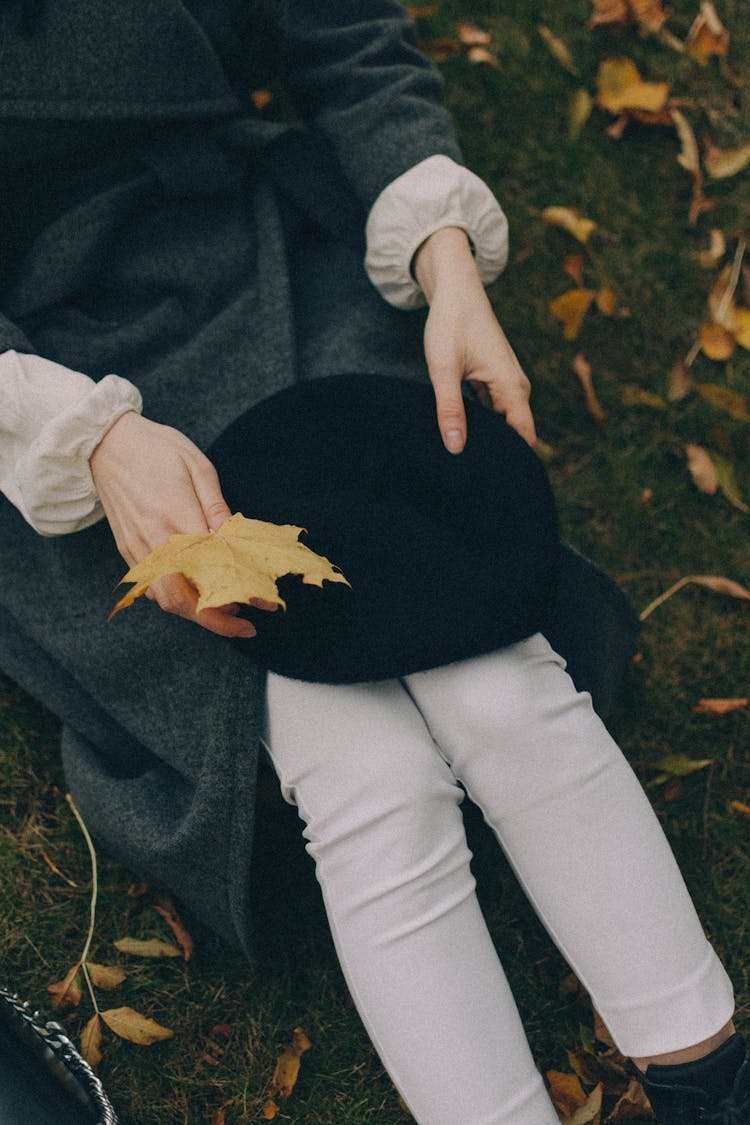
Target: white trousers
374	770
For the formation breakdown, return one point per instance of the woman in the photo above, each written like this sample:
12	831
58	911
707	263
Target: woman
159	230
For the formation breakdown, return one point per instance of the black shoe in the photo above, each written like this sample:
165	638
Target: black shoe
714	1090
43	1079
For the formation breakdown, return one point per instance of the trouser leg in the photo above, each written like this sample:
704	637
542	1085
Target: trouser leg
383	823
583	839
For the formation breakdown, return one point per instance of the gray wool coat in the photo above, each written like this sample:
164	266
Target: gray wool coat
154	225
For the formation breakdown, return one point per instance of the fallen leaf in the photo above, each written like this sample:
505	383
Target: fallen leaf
633	1103
728	483
688	156
105	976
579	111
638	396
237	563
707	36
702	469
740	807
713	582
569	219
151	948
573	266
440	50
134	1027
565	1091
472	36
582	369
68	991
270	1110
679	383
287	1066
620	86
606	301
717	342
673	789
649	15
677	765
220	1115
719	706
423	12
482	55
570	308
164	906
723	163
137	890
742	329
721	301
586	1066
261	98
724	398
91	1041
717	248
609	11
558	50
591	1110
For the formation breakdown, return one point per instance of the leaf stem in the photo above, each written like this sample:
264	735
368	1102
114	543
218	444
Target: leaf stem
663	597
94	894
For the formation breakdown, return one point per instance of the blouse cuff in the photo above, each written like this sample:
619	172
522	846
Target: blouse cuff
433	194
55	488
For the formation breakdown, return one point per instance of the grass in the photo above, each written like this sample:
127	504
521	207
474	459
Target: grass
513	125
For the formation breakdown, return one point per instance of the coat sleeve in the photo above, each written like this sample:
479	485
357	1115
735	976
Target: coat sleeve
354	72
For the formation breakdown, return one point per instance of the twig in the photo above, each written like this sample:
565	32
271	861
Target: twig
663	597
94	892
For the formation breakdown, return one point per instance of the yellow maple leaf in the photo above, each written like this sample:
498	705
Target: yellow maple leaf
239	562
621	87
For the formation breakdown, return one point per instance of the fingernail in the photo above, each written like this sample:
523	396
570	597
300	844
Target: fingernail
454	441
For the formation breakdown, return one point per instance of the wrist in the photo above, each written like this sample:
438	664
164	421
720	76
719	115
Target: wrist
444	256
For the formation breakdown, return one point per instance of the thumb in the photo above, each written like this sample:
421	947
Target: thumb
451	414
208	490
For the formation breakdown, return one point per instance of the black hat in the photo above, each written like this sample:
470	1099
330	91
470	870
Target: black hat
448	555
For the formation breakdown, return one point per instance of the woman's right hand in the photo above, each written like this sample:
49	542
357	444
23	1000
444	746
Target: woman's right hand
153	482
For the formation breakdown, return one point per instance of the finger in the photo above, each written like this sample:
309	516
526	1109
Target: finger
451	414
208	490
514	404
522	420
176	595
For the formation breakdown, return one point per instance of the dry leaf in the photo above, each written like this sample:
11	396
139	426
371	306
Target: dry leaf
287	1066
559	50
609	11
721	301
591	1110
621	87
134	1027
220	1115
723	398
649	15
633	395
105	976
728	483
723	163
164	905
423	12
270	1110
579	111
740	807
742	327
482	55
237	563
713	582
702	469
68	991
582	369
137	890
573	266
673	789
717	342
688	157
91	1041
569	219
679	383
440	50
633	1103
677	765
151	948
606	301
719	706
717	248
586	1066
565	1091
570	309
707	36
261	98
472	36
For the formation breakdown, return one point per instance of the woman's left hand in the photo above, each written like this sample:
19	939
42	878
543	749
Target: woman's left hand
464	342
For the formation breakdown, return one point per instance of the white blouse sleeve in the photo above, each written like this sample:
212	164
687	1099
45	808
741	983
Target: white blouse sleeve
433	194
51	420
